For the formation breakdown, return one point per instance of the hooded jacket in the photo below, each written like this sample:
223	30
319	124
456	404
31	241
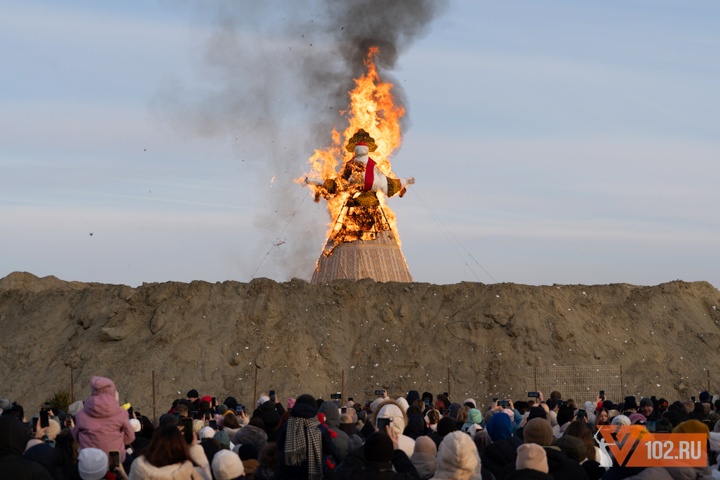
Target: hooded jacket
391	409
674	473
143	470
458	458
332	419
13	438
103	423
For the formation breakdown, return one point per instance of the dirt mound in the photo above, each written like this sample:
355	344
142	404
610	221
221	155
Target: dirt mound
472	339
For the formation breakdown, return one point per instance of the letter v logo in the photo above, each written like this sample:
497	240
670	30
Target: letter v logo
620	441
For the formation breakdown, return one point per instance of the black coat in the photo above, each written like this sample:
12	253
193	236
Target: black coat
14	436
354	467
496	456
561	466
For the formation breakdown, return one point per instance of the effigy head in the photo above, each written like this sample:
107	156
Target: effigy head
361	136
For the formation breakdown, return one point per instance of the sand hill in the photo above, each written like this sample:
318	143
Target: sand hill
472	339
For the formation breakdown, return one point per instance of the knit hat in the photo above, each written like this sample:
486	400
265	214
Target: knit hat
231	403
531	456
572	446
637	418
470	402
403	403
537	412
192	394
425	444
646	402
704	396
538	431
53	429
474	416
4	403
135	423
621	420
92	464
262	399
692	426
247	451
222	408
630	403
378	448
206	432
206	398
74	408
222	438
226	465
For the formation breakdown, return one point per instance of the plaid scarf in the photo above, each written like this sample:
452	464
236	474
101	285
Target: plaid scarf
304	443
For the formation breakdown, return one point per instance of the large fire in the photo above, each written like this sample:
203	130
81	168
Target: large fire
373	113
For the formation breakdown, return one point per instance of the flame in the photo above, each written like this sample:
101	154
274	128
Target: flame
372	108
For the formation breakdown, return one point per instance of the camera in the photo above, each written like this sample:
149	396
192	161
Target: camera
382	423
380	393
533	394
113	460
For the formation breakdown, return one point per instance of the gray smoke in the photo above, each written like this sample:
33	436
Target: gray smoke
273	77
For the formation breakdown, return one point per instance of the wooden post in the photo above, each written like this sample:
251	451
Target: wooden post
535	377
254	399
72	386
342	387
153	395
622	394
708	381
448	382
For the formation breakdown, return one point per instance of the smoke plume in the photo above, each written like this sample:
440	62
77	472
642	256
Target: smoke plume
273	78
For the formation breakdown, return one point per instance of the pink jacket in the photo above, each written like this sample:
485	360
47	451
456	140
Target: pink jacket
103	423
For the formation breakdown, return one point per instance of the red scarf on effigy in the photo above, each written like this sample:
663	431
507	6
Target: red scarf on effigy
369	174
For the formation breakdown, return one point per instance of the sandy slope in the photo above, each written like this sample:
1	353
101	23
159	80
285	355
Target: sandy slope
483	339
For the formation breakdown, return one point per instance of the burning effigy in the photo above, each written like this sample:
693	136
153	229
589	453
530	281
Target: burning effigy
362	239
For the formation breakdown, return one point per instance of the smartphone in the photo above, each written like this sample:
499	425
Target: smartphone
650	425
214	402
187	427
693	399
601	394
504	403
272	395
343	409
238	409
213	424
335	396
533	394
44	419
379	393
382	423
581	415
113	460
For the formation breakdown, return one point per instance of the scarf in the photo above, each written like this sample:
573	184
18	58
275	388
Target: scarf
304	443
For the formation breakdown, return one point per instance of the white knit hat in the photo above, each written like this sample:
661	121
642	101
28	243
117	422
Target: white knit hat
92	464
531	456
135	423
227	465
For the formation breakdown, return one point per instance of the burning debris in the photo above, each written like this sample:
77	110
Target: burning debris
356	194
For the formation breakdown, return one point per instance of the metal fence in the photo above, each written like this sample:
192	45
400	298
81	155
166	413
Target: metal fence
579	382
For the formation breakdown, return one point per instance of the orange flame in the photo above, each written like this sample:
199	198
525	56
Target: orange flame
373	109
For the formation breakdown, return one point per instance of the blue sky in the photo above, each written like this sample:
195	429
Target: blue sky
568	142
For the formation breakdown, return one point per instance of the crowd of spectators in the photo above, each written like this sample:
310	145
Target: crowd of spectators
414	436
